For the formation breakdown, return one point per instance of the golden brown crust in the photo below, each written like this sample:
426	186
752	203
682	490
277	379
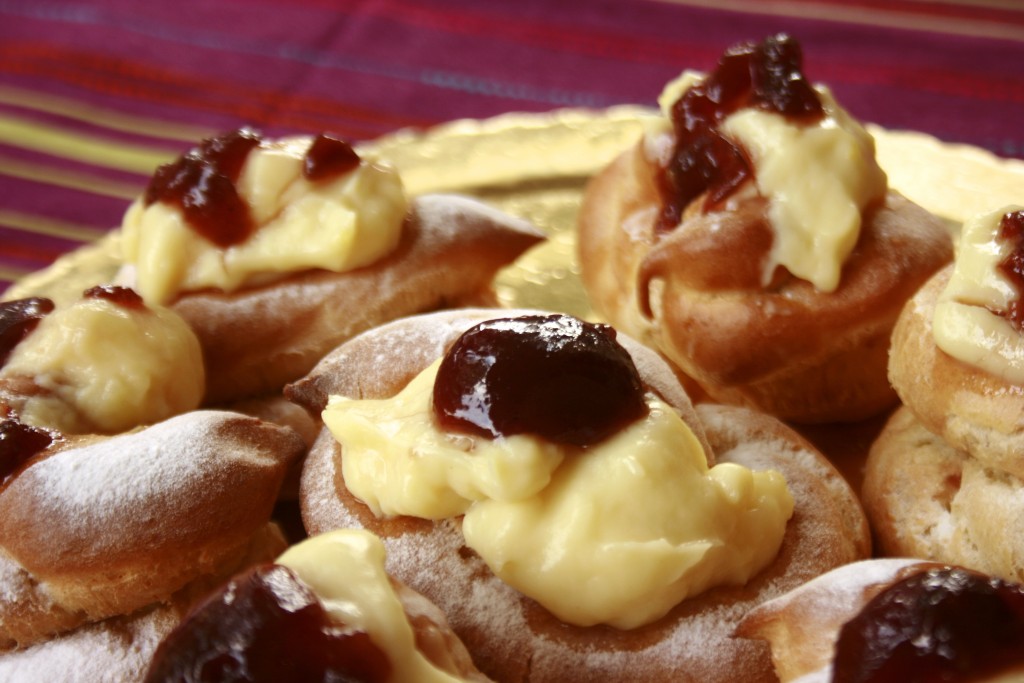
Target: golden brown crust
256	340
512	638
803	625
973	410
926	499
120	648
695	294
103	526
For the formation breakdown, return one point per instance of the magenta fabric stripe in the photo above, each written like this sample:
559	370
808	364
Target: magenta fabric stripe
367	67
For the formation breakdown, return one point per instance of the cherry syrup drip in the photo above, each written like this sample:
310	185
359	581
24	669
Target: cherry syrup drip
328	157
17	319
266	626
940	625
125	297
554	376
18	443
766	76
1011	229
202	184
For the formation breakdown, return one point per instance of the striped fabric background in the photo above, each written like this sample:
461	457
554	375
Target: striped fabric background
95	93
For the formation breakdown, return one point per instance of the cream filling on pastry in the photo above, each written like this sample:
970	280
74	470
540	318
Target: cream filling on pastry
964	323
337	225
617	533
818	180
345	569
106	368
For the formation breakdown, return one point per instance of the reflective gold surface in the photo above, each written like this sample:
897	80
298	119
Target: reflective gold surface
536	165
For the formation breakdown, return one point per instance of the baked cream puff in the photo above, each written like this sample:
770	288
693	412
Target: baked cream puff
750	236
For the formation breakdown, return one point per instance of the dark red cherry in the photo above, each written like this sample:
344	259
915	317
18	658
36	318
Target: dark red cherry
553	376
329	157
266	626
125	297
767	76
1011	229
18	443
940	625
17	319
202	184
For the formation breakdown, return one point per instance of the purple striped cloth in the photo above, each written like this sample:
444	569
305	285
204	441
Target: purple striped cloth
93	93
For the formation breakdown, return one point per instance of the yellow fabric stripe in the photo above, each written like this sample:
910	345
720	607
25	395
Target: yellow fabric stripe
41	225
48	175
100	117
12	274
89	149
855	15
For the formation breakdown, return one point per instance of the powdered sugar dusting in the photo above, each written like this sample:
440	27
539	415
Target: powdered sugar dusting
148	484
450	215
115	651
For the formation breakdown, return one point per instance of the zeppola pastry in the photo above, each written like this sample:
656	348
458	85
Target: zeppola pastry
104	539
888	620
325	610
549	485
945	477
105	363
276	251
751	238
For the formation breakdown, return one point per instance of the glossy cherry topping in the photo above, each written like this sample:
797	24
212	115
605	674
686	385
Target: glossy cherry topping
18	443
944	624
552	376
266	626
1011	229
765	76
17	319
202	184
329	157
125	297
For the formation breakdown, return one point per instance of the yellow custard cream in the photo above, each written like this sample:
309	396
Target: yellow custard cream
106	368
617	533
399	463
337	224
818	179
964	325
345	569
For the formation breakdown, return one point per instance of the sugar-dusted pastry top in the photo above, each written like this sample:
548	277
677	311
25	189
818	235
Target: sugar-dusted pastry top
240	210
103	364
92	527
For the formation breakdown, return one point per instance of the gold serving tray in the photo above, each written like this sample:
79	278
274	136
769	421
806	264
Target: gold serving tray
536	165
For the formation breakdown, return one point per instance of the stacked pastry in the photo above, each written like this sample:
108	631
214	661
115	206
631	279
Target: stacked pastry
944	479
276	251
751	238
